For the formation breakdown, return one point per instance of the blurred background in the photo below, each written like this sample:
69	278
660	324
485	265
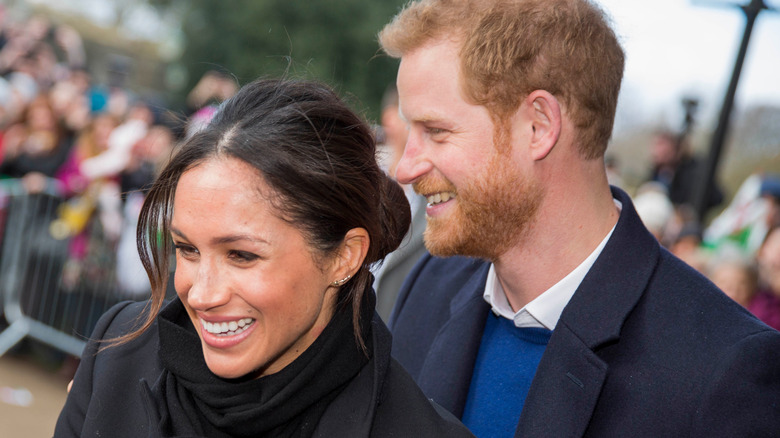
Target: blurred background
95	93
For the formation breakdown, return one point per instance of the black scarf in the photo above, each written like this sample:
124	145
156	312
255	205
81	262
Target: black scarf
189	400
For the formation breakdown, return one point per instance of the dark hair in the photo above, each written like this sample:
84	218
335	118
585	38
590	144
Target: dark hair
318	157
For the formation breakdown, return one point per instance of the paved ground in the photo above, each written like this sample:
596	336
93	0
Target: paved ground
32	392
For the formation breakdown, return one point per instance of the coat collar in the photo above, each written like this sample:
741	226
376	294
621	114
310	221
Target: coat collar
616	281
570	375
352	412
456	346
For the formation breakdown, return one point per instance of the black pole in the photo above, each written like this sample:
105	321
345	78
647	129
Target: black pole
706	182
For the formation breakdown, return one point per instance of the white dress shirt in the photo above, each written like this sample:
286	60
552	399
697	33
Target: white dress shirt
545	310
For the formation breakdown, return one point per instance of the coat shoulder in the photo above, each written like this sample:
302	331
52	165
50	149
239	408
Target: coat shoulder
106	387
435	281
692	359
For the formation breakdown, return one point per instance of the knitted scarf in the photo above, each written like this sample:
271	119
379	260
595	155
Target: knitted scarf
189	400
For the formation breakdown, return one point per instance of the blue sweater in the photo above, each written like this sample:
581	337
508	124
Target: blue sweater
506	363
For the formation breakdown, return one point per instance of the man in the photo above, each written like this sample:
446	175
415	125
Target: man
391	273
546	308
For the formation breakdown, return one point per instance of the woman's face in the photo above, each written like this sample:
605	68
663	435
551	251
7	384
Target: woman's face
40	118
102	128
248	279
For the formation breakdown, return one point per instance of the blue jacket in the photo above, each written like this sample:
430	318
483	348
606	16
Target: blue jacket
646	347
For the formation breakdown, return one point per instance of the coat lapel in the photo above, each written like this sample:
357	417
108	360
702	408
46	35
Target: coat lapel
446	374
564	391
570	376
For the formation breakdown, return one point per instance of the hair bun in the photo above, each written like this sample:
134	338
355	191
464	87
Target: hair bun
395	215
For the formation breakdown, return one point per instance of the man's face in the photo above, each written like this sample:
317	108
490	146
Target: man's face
480	199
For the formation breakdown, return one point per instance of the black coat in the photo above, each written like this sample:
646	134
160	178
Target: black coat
646	347
107	395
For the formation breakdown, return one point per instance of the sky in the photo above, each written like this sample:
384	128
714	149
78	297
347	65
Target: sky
677	48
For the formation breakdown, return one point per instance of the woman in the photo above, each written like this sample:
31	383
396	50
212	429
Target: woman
40	149
276	209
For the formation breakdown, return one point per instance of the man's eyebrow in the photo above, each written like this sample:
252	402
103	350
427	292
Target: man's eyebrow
424	118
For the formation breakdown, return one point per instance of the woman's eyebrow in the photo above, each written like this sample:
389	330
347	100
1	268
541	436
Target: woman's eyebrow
226	239
237	237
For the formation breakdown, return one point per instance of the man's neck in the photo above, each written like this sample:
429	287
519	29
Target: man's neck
561	238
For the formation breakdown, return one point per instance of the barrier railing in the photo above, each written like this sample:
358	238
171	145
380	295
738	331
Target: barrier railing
54	284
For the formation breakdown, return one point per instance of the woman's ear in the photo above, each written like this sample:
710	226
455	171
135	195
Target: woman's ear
351	255
544	114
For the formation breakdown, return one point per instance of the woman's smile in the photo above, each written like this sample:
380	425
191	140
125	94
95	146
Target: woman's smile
223	335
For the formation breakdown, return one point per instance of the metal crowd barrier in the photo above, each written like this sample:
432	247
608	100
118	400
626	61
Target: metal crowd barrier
49	293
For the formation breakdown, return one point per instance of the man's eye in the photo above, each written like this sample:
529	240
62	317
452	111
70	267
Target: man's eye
435	131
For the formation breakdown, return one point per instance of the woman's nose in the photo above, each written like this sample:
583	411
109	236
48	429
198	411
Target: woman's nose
206	290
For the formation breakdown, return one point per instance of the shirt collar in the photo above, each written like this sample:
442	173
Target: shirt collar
545	310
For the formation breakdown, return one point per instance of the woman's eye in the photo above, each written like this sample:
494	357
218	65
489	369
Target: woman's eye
186	251
242	256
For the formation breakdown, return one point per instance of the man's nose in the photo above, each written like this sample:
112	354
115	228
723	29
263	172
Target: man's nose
414	162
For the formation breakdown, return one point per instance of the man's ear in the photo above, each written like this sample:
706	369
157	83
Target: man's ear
544	114
351	254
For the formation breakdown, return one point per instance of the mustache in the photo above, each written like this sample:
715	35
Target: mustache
433	184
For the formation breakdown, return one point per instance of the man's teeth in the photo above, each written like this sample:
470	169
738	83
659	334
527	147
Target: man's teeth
438	198
227	328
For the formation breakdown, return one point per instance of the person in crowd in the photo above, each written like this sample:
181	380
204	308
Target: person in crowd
545	307
766	304
654	209
276	210
120	143
40	147
676	168
92	141
770	193
686	245
390	274
735	275
213	88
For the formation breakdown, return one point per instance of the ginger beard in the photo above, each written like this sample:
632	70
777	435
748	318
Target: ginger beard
491	213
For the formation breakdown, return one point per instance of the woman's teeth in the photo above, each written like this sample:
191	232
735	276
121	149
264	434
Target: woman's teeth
227	328
438	198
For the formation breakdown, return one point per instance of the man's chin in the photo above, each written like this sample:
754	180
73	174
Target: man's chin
441	244
440	241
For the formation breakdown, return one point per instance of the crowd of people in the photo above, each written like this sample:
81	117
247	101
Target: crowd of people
94	145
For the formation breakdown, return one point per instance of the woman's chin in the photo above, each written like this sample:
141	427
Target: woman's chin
228	371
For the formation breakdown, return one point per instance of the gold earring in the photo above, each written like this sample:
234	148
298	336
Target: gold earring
338	283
